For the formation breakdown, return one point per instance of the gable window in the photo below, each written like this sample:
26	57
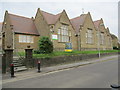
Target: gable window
25	39
89	36
64	34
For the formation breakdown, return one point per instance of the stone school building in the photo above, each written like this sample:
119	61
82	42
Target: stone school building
20	33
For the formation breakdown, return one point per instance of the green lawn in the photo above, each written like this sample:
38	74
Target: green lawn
62	53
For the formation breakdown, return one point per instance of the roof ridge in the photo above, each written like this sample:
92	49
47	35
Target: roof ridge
96	20
83	14
48	13
74	17
59	13
49	16
51	13
19	16
78	16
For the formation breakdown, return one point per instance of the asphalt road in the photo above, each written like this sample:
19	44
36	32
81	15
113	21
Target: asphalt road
97	75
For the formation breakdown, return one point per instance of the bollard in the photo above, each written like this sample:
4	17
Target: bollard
39	67
12	70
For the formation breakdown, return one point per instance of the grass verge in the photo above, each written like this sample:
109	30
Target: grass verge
63	53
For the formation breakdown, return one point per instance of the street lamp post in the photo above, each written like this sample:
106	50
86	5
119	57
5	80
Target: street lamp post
98	43
99	38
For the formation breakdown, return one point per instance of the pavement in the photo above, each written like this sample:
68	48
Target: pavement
47	70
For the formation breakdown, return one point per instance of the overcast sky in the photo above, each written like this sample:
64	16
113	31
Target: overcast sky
106	9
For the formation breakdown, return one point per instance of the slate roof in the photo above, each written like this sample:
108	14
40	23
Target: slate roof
50	18
97	23
23	24
77	21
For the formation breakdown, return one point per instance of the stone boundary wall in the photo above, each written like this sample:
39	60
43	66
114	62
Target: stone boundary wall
46	62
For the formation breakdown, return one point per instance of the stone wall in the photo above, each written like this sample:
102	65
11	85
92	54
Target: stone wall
46	62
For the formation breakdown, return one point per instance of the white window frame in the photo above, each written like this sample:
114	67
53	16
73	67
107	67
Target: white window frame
20	38
64	34
26	39
102	38
89	36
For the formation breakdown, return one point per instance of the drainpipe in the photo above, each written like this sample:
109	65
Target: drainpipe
79	48
13	40
81	26
13	35
80	40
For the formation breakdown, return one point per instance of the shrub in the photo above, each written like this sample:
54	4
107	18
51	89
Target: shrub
45	45
36	51
115	48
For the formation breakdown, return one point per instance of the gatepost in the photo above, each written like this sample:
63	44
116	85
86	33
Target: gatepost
29	58
7	59
3	63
